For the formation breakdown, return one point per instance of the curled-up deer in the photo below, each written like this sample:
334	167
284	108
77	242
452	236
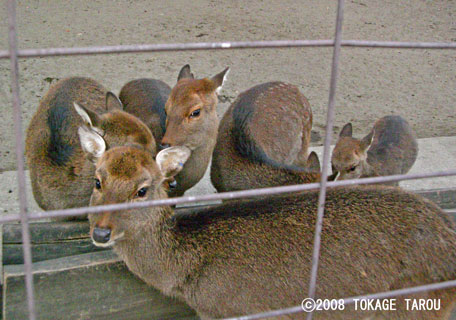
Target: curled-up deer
390	148
145	99
263	140
192	122
73	119
254	256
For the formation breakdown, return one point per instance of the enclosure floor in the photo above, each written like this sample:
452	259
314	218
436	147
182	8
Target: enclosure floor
417	84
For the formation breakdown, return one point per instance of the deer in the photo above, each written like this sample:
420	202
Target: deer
61	174
390	148
145	98
263	140
253	256
192	121
267	147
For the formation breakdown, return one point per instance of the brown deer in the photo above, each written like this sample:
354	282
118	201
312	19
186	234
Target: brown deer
253	256
145	99
263	140
192	122
74	109
390	148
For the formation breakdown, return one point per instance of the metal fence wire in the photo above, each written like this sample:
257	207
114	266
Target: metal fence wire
14	53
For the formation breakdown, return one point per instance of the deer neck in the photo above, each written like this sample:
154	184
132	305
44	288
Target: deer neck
152	253
196	165
367	169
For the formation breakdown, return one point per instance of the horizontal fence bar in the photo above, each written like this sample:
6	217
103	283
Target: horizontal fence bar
351	300
398	44
46	52
169	47
222	196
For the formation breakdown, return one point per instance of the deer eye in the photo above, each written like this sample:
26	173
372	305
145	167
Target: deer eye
142	192
352	168
195	113
97	184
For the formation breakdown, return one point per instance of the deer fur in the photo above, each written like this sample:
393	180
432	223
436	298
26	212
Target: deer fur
61	174
145	99
263	140
390	148
192	122
254	256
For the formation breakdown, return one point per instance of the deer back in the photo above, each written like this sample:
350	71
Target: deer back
60	172
145	99
263	140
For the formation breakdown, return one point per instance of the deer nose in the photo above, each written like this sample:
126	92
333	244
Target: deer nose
101	235
164	146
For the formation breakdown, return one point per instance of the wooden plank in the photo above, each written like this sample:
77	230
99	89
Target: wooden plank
13	254
50	240
90	286
42	232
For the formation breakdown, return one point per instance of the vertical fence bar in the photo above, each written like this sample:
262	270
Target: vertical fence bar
324	175
12	38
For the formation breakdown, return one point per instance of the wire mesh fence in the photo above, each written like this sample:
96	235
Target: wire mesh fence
24	217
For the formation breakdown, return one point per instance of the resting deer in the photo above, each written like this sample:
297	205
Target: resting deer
192	122
390	148
61	175
253	256
263	140
145	99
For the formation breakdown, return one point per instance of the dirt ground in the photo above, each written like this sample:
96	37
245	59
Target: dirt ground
417	84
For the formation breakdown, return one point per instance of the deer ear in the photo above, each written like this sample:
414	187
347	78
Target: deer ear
90	118
112	102
219	79
334	176
185	73
366	142
171	160
91	142
346	131
313	163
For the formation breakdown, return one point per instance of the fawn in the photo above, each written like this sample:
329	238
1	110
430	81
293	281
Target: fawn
263	140
145	99
253	256
192	121
390	148
74	109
